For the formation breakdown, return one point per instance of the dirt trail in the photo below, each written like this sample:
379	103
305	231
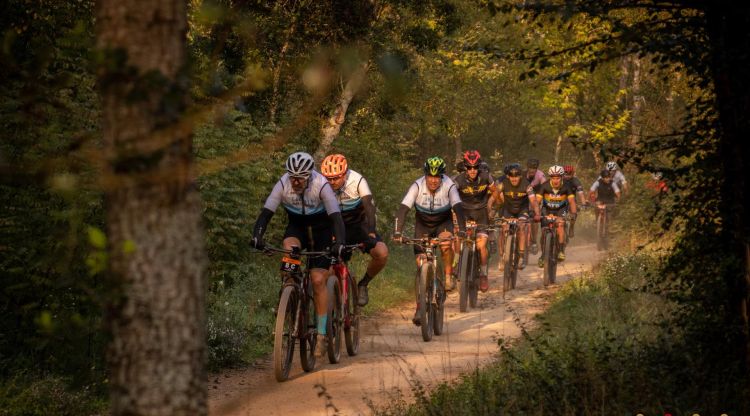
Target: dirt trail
393	355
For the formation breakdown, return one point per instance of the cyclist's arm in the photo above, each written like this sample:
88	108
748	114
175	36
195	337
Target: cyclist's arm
367	205
269	208
406	204
572	201
334	213
592	191
532	200
618	193
455	201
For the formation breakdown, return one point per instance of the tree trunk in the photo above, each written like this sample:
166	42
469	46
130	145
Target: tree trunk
276	82
332	125
157	257
558	148
727	29
636	101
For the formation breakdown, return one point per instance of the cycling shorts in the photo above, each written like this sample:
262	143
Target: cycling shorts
420	230
506	213
322	237
480	217
356	234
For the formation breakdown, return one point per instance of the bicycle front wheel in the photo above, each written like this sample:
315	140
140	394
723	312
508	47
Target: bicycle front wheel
424	299
335	321
351	318
474	279
284	338
507	263
464	274
309	334
549	255
515	258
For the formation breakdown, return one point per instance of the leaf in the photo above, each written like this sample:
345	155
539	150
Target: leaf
97	238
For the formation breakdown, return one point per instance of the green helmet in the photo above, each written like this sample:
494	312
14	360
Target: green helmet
434	166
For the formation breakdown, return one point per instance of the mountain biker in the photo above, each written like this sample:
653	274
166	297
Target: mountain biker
604	190
358	212
517	195
535	178
433	195
474	187
312	208
571	180
617	176
558	199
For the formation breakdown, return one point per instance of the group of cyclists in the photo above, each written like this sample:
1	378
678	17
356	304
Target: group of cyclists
334	206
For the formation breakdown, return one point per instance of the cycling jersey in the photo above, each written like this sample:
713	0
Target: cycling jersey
605	192
350	197
555	200
432	208
317	199
516	197
617	178
537	179
474	193
574	183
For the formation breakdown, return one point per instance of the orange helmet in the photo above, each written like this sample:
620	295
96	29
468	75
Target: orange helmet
333	166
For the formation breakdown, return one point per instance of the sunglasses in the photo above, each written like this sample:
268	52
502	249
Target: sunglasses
472	168
335	178
298	179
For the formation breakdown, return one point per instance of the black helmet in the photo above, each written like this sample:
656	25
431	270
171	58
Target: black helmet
605	173
513	170
532	163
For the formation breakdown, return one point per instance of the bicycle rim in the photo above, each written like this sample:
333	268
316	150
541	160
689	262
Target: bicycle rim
514	261
507	266
424	302
284	339
309	337
438	306
335	322
474	279
351	329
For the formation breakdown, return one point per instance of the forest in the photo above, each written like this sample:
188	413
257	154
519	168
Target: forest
141	139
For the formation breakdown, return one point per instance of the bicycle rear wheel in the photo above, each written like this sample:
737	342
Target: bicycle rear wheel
600	230
351	318
335	321
474	279
507	263
309	334
284	339
424	300
464	274
438	306
548	254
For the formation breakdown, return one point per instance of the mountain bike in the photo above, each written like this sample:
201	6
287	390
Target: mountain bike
468	269
295	315
430	287
550	247
345	310
510	241
603	212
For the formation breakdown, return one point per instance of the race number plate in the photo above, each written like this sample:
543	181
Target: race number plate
291	265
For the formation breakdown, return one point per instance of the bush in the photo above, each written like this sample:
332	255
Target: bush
29	396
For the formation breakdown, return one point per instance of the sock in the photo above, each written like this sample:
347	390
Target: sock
365	280
322	324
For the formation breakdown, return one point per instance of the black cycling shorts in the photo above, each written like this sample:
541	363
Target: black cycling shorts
480	217
420	230
357	234
322	237
506	213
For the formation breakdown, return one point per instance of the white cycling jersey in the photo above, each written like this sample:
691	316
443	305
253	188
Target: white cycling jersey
442	200
317	198
350	194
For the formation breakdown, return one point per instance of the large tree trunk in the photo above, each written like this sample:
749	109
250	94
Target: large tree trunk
332	125
157	258
277	67
727	29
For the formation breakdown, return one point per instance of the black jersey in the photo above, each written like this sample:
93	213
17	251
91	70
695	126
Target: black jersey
574	183
516	197
605	192
474	194
555	200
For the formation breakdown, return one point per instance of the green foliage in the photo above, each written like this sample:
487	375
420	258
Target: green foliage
603	347
26	396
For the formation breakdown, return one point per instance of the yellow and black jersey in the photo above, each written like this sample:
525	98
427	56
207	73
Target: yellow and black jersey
555	199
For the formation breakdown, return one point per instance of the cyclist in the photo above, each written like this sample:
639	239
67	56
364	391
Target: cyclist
358	211
516	195
571	180
557	198
604	189
313	211
434	195
535	178
617	176
474	187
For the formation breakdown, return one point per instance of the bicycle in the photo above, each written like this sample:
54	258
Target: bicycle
345	310
602	225
468	269
510	240
550	247
295	315
430	287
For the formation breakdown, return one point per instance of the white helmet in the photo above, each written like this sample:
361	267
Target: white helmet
611	166
300	164
556	170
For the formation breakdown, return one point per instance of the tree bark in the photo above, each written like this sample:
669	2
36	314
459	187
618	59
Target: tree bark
332	125
157	257
727	30
636	100
280	61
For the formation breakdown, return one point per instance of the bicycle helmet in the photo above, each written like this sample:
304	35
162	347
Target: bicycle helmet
605	173
612	166
556	170
532	163
300	165
569	169
513	170
434	166
657	176
472	158
334	166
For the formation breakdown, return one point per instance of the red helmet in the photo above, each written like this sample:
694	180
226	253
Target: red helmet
334	166
472	158
569	169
